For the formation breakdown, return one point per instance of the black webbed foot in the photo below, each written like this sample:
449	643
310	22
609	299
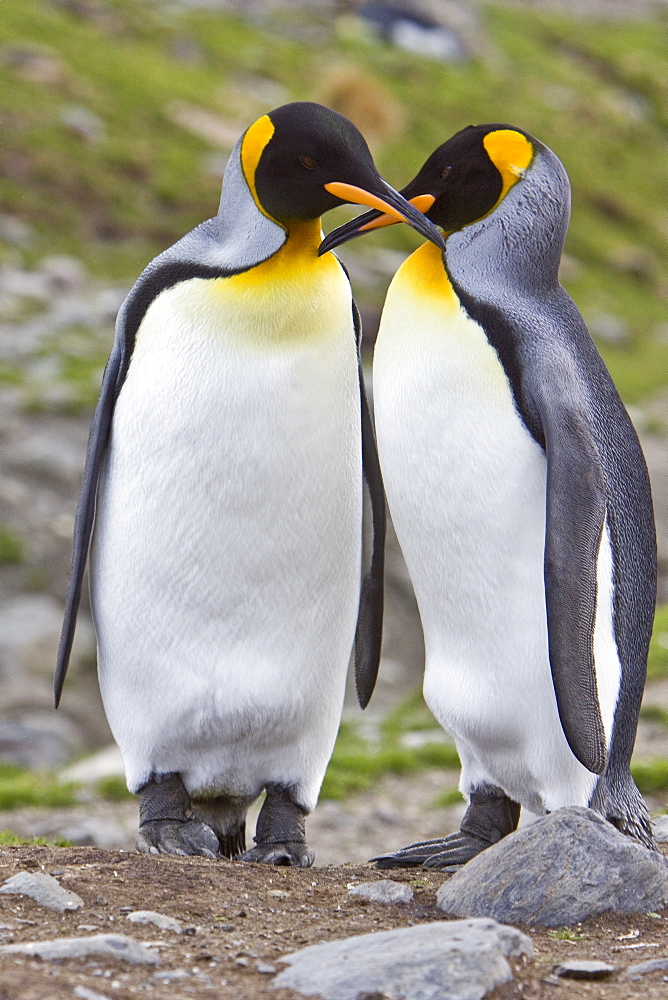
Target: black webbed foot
279	835
167	836
490	816
166	825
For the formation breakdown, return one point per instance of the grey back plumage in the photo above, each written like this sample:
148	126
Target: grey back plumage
504	269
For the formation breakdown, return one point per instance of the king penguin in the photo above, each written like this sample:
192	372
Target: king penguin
222	502
520	498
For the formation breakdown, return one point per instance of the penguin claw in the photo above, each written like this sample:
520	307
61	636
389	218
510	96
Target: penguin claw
450	852
181	838
297	855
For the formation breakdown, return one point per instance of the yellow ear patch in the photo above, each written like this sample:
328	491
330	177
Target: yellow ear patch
511	153
254	142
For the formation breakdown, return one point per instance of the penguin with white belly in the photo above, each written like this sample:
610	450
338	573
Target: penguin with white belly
520	497
230	457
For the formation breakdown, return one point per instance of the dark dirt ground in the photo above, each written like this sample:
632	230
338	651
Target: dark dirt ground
235	916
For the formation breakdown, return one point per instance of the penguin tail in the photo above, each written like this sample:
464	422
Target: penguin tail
617	798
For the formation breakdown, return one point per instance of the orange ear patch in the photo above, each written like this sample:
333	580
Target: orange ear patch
511	153
256	138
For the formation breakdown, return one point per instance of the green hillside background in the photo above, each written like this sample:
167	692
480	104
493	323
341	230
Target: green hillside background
116	117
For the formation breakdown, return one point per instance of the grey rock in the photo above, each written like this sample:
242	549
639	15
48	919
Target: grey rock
170	976
48	457
265	968
160	920
460	960
66	274
562	869
93	832
44	889
115	946
584	969
660	828
33	740
85	994
385	891
642	968
83	122
106	763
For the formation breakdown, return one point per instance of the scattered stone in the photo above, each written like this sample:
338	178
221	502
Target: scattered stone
583	969
65	273
642	968
92	832
385	891
168	977
660	828
116	946
85	994
611	329
83	122
160	920
265	968
106	763
44	889
562	869
462	960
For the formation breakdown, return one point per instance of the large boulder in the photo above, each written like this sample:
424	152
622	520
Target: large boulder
562	869
458	960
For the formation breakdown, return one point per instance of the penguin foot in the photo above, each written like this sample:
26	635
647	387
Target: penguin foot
295	853
490	816
454	850
182	837
280	834
166	825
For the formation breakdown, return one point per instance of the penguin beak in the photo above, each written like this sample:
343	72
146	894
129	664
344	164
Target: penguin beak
389	208
379	218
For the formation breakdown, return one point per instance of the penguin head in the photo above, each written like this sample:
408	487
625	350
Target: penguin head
303	159
463	181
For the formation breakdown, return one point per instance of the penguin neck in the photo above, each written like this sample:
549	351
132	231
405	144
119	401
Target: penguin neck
296	258
244	235
515	250
423	275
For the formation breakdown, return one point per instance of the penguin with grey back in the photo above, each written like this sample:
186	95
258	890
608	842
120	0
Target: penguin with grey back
229	460
520	496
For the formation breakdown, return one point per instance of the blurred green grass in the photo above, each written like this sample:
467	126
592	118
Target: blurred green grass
596	94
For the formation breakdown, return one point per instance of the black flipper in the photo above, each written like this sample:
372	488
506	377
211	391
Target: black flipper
85	515
369	631
576	510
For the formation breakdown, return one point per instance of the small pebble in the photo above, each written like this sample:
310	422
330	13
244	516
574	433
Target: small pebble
385	891
85	994
160	920
584	969
265	968
642	968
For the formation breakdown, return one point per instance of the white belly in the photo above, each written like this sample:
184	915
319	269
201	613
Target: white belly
226	556
466	488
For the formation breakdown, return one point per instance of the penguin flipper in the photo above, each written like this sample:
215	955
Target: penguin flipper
85	514
369	630
576	511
